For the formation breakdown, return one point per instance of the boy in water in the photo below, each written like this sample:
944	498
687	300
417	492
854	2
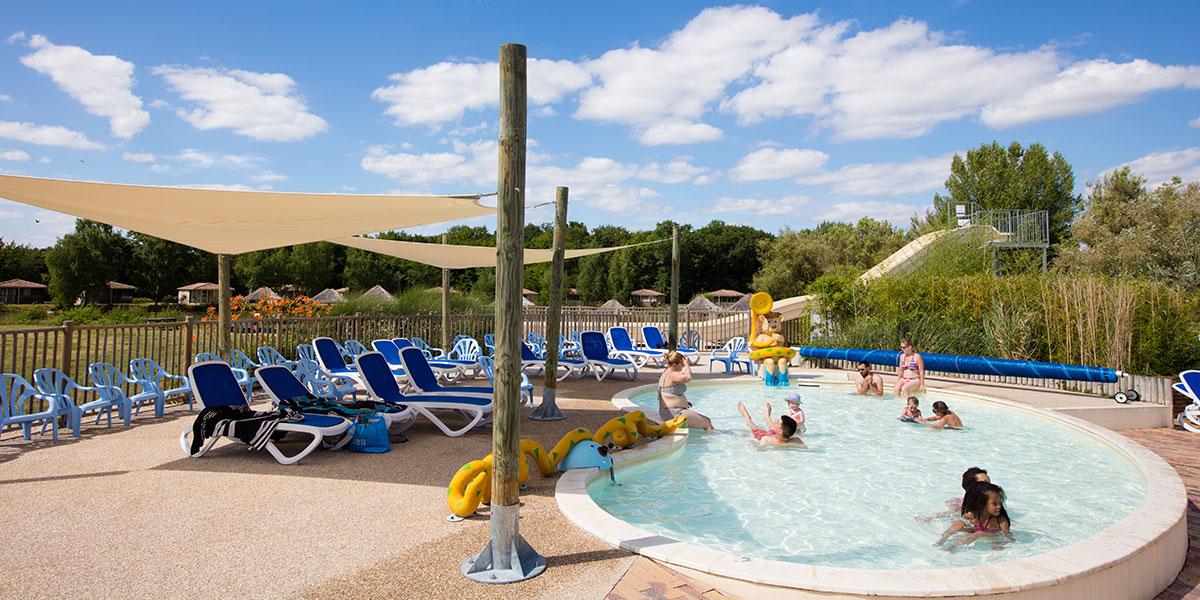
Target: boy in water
781	435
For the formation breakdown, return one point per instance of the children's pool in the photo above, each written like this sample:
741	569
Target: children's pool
852	498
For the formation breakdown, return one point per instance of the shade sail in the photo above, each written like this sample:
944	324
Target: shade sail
232	221
449	256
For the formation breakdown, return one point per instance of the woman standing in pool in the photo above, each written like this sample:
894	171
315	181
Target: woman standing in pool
911	374
671	387
983	514
942	417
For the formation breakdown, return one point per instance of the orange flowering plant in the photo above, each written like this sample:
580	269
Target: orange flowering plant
269	308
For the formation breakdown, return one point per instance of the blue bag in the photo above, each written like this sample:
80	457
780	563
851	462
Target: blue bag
370	435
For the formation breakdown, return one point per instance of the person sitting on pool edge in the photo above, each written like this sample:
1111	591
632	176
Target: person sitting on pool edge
866	382
942	417
671	399
781	435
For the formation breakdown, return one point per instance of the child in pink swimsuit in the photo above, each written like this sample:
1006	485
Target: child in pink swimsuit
982	514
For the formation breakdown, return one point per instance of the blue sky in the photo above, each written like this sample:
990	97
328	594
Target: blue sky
771	115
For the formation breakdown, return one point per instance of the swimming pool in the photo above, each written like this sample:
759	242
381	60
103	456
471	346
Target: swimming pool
1135	557
850	499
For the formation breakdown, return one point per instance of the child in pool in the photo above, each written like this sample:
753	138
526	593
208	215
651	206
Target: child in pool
780	435
982	514
970	477
942	417
794	411
911	412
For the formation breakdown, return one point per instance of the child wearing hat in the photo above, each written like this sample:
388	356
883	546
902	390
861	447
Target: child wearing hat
794	412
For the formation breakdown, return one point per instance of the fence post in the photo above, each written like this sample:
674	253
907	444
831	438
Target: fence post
279	330
68	328
189	328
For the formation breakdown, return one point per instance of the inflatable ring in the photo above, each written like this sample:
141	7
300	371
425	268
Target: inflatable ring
472	484
772	352
761	303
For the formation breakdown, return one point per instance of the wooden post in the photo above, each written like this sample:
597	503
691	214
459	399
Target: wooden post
446	304
64	363
548	409
189	328
673	334
225	334
507	557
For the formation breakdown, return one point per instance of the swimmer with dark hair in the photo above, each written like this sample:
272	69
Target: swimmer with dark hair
780	435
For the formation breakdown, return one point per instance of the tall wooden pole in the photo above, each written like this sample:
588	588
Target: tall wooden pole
225	337
445	303
507	557
673	329
548	409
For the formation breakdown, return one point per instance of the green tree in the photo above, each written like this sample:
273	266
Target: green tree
161	266
21	261
1013	178
83	262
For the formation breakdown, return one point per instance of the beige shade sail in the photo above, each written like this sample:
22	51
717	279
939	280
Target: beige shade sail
234	221
449	256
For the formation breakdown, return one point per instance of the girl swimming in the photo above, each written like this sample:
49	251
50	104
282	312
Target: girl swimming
911	412
970	477
983	514
943	417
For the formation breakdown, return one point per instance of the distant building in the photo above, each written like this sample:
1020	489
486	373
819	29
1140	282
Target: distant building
19	291
647	297
530	297
702	303
199	293
263	293
329	296
378	293
726	298
611	306
120	293
742	305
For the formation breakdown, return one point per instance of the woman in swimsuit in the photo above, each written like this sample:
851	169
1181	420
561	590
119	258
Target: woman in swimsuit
983	514
671	399
911	375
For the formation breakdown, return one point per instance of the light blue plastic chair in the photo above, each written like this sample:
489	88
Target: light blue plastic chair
15	392
537	343
489	344
488	364
332	388
306	352
149	373
109	378
239	360
732	348
268	355
54	385
245	379
430	351
466	352
569	348
352	348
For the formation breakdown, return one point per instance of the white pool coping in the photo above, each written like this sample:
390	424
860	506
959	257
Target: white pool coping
1136	557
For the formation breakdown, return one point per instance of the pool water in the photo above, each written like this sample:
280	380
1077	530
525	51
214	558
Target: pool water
852	498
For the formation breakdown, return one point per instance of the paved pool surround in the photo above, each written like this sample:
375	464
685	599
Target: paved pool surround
1137	557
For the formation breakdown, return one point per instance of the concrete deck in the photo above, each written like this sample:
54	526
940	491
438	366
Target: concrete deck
122	512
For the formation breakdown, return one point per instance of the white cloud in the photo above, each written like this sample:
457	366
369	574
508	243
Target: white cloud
5	98
445	91
676	171
143	157
1086	88
474	163
101	83
261	106
885	179
767	207
1195	122
14	155
679	132
896	213
597	182
269	176
769	163
189	160
1161	166
47	135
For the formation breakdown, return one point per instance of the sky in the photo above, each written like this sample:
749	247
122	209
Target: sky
774	115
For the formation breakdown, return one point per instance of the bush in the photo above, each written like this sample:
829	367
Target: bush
33	315
80	315
126	315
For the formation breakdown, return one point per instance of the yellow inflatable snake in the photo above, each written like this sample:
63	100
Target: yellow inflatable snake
472	483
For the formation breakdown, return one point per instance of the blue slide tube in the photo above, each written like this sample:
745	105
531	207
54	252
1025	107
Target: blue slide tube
972	365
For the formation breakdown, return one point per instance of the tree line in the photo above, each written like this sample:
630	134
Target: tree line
1119	228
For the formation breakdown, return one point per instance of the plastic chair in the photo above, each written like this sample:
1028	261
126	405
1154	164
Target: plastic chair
382	386
353	348
333	388
489	344
14	392
733	347
466	352
110	379
306	352
430	352
149	373
487	363
595	353
622	346
270	356
281	384
537	343
55	386
448	371
243	376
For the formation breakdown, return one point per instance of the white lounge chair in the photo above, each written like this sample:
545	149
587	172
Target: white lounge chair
595	353
380	384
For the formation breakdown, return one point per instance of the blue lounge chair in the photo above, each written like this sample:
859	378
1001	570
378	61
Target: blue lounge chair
382	386
425	382
15	392
55	386
1189	385
595	353
214	384
109	378
269	356
736	345
570	366
245	379
150	375
489	367
281	384
654	339
329	359
448	372
622	347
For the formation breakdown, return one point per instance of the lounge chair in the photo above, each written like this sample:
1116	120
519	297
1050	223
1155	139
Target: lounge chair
654	339
149	373
215	385
1189	385
381	386
425	382
245	379
15	393
733	347
622	346
447	371
329	359
57	387
489	367
595	354
570	366
466	353
109	378
281	385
